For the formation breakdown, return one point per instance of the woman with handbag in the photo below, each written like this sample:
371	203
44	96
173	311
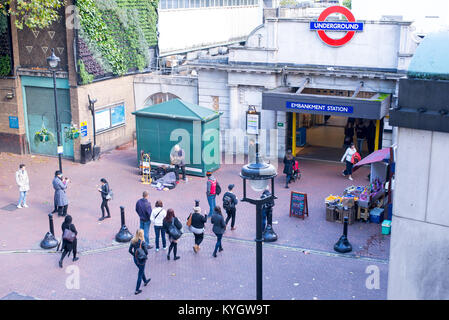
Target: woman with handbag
219	228
157	217
173	227
105	196
69	241
138	249
196	224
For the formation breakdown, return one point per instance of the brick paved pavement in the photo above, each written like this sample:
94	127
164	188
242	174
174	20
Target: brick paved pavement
23	230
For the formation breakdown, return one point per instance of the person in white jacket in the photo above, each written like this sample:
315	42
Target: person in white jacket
157	216
24	186
348	158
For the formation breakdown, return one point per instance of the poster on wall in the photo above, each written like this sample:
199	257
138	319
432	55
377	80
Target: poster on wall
117	115
102	120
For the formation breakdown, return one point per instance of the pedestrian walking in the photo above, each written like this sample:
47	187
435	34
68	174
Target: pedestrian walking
138	249
173	227
267	209
60	185
23	182
69	241
143	209
288	167
351	157
213	190
229	203
105	197
157	217
219	227
177	158
197	221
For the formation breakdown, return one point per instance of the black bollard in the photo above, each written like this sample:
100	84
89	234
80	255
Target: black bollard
123	235
49	240
343	245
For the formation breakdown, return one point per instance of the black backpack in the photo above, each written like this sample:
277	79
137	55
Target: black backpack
228	202
141	257
217	189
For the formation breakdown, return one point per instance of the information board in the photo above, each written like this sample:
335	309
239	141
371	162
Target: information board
298	204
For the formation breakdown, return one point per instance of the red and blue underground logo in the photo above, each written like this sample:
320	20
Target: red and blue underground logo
350	26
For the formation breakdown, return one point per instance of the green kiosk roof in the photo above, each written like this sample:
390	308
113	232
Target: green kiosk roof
178	109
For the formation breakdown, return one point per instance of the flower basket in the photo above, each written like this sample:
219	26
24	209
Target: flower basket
43	136
72	133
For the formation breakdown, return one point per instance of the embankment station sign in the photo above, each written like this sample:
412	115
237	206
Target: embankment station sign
350	26
319	107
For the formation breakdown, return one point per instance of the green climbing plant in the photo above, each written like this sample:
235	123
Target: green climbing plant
5	65
85	76
35	14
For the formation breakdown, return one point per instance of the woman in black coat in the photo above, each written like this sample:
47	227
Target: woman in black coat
68	246
219	228
136	243
104	190
168	220
288	166
197	226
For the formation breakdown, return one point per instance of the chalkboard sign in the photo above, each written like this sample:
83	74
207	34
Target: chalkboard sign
298	205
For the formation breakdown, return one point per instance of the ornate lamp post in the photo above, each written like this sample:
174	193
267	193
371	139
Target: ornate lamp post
53	62
258	173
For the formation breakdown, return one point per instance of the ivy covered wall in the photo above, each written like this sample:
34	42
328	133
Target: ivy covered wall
114	37
5	47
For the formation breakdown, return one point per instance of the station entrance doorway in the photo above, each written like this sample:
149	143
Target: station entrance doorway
323	136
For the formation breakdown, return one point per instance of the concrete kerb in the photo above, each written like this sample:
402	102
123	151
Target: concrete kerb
117	245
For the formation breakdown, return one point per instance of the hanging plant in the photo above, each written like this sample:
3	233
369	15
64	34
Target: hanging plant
72	133
43	136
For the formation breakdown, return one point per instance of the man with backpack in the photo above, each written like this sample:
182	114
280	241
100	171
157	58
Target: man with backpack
229	203
213	189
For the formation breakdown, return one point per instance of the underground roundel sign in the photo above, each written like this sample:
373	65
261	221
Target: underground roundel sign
349	27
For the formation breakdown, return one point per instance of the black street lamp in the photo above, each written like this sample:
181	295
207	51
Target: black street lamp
258	173
53	62
95	149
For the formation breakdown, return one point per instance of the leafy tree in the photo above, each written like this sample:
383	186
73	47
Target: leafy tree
287	3
347	4
35	14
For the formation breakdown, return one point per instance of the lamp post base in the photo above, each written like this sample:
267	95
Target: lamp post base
269	235
343	245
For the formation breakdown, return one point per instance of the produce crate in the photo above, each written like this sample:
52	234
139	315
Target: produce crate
376	215
339	214
386	227
346	212
331	215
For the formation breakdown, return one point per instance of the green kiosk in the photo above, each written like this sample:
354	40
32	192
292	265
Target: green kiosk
196	129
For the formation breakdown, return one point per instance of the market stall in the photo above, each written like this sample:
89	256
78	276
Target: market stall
366	203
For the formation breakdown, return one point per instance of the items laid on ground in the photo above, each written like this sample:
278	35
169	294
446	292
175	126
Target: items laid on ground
163	178
359	203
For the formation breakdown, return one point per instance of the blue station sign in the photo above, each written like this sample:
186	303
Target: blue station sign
325	108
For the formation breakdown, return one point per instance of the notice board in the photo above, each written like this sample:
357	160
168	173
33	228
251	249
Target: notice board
298	204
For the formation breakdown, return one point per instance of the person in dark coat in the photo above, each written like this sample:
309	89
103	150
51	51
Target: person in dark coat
288	166
143	209
361	131
349	135
371	136
229	203
171	219
136	243
60	185
68	246
197	226
219	227
104	190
